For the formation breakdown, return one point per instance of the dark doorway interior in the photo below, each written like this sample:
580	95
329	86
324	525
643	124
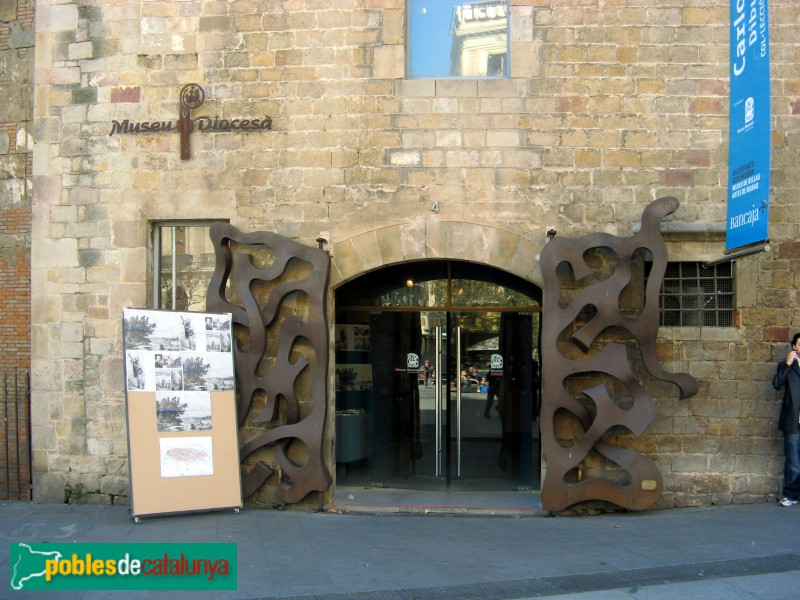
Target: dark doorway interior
437	379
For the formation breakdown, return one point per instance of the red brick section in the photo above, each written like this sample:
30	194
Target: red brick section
776	334
126	94
25	14
15	356
789	250
677	177
15	292
10	129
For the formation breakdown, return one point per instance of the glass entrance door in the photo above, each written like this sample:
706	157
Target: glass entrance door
392	399
492	443
405	417
410	409
438	399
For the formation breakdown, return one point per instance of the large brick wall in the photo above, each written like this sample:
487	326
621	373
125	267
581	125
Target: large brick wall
609	105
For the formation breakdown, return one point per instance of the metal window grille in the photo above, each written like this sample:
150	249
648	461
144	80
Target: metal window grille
15	439
692	295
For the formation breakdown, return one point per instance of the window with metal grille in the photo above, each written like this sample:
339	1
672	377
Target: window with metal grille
693	295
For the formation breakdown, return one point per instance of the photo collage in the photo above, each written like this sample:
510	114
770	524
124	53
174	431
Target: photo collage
181	358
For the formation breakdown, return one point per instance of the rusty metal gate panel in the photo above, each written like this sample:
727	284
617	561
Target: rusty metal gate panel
276	291
15	443
591	411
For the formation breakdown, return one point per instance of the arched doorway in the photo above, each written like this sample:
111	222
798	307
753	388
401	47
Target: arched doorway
437	378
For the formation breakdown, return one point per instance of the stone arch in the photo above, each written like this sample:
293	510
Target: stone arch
422	239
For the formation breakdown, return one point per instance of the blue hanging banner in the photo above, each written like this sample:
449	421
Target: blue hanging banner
749	149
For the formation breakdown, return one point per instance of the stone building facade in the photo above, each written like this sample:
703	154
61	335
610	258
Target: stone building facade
606	106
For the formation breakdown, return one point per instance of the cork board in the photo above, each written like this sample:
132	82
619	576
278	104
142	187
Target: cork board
183	444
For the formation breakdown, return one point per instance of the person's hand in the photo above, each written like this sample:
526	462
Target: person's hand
791	358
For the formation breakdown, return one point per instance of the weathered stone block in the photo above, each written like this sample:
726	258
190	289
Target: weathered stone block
389	62
59	17
115	486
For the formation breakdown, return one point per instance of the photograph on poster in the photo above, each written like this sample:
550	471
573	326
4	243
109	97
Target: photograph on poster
167	360
163	379
186	457
218	323
218	342
148	330
353	377
361	337
176	376
168	351
206	372
342	338
189	332
139	370
168	372
189	411
352	338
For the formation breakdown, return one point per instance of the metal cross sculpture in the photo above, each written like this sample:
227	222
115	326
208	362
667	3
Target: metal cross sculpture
192	96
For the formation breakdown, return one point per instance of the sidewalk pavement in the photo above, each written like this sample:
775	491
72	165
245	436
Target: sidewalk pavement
737	551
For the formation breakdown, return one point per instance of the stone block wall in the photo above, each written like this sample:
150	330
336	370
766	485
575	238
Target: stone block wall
608	106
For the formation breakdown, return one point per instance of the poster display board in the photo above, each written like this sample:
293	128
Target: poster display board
183	445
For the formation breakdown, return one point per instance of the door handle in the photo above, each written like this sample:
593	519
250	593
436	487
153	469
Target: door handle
437	402
458	402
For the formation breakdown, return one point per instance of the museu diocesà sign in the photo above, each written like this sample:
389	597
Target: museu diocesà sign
192	96
202	123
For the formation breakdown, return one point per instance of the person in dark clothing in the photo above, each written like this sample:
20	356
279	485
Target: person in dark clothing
492	387
788	378
427	370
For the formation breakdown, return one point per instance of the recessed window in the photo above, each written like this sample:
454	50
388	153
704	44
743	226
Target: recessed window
693	295
184	263
457	39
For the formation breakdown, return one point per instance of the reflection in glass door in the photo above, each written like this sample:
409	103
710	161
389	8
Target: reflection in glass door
492	445
440	399
437	398
408	415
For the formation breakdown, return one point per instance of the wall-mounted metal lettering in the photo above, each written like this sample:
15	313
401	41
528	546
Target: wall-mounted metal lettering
203	124
192	96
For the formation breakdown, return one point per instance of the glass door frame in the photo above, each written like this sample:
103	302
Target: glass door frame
447	405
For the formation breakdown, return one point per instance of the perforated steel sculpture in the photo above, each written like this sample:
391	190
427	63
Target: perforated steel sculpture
599	303
275	289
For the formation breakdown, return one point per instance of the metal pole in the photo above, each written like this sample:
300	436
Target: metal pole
458	403
437	394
